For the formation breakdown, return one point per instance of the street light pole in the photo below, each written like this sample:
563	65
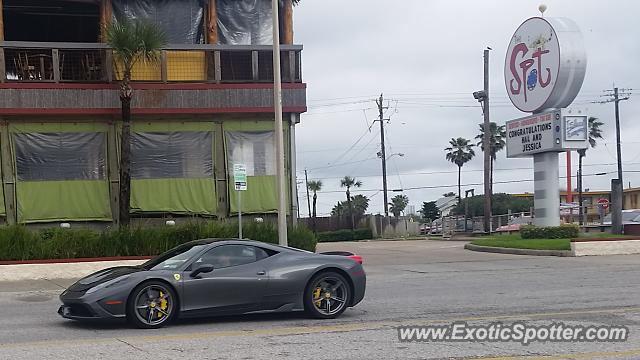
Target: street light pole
277	104
486	141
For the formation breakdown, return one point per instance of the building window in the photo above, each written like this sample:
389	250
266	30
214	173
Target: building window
161	155
60	156
256	150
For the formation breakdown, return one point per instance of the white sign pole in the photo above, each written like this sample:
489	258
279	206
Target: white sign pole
240	181
239	215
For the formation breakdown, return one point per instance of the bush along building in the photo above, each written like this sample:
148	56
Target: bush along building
207	104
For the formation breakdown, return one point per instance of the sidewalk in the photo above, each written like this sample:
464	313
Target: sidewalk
23	272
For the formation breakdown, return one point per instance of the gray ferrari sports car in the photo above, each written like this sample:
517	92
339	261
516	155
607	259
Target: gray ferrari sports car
218	277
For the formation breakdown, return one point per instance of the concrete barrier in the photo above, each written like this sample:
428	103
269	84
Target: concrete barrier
612	246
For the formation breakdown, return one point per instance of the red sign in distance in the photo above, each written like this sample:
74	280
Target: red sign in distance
603	202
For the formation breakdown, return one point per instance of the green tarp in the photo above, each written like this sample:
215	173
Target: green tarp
174	195
74	200
53	200
261	195
181	196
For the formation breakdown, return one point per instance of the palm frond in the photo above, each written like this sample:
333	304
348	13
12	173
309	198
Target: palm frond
135	41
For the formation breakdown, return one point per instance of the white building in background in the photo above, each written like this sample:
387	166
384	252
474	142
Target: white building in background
446	204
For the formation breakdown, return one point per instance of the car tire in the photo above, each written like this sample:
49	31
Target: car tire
327	287
152	305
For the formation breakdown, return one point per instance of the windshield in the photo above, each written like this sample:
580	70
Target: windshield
175	257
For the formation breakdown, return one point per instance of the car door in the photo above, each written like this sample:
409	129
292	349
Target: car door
236	284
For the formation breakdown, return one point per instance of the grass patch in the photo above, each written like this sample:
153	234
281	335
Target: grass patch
513	241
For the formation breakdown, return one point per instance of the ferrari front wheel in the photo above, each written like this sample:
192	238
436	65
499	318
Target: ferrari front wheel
152	305
327	295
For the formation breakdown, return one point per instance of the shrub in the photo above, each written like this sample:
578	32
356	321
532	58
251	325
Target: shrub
19	243
345	235
566	231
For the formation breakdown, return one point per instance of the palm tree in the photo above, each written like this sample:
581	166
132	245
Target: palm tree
398	204
360	205
132	42
349	182
460	152
315	186
594	133
497	136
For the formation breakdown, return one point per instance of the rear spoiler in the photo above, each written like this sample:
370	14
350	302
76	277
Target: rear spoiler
350	255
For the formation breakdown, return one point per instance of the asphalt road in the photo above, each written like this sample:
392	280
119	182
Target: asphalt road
409	283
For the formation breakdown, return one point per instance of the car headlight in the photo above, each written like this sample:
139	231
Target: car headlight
107	284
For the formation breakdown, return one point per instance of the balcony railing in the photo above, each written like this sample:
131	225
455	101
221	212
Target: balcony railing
94	62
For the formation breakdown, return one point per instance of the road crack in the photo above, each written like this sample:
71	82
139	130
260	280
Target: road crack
131	345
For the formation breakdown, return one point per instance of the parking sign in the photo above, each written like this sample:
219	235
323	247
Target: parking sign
240	176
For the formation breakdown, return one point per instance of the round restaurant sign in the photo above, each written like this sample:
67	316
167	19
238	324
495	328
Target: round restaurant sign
545	64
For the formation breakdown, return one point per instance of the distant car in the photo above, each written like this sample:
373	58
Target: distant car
629	217
219	277
515	224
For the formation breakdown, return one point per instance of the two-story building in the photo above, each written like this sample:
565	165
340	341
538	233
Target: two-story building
206	105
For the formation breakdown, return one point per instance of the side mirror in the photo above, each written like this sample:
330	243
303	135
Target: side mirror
204	268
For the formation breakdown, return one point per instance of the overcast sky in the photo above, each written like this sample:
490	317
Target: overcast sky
426	57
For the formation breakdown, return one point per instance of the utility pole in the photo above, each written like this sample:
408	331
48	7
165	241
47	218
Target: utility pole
617	184
486	141
277	105
383	156
306	183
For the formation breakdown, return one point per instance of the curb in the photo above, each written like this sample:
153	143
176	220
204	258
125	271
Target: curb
514	251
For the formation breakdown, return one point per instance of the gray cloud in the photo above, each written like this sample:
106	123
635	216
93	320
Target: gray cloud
426	56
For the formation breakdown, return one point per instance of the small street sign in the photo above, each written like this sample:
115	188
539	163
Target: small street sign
240	177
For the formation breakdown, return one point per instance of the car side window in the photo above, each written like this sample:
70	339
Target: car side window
229	255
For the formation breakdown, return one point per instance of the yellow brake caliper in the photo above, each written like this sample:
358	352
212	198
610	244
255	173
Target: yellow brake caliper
163	304
316	296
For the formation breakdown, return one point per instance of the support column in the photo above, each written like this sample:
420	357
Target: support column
1	21
114	170
212	23
220	171
8	174
106	14
546	189
287	36
292	168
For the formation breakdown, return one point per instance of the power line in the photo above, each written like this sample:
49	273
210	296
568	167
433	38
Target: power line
342	164
444	172
462	185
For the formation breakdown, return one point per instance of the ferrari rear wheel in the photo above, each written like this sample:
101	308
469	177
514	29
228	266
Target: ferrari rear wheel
152	305
327	295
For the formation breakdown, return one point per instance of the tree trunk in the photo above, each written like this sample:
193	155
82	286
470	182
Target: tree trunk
315	199
125	153
459	186
350	209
